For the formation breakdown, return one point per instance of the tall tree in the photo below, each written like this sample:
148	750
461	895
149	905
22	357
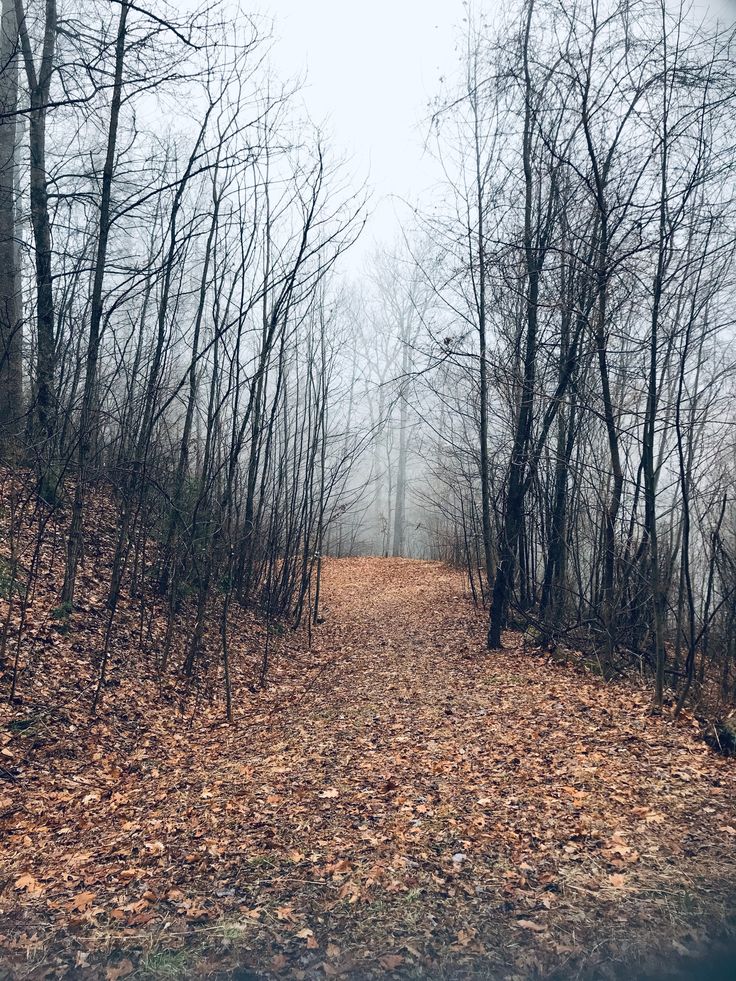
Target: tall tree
11	313
38	80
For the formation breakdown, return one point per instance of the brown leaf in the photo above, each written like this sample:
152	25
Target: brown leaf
531	925
81	901
29	884
121	970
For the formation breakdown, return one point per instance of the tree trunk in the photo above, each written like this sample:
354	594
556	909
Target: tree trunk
514	509
39	87
93	344
11	338
400	505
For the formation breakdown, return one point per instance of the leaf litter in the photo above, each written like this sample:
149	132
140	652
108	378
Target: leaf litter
399	802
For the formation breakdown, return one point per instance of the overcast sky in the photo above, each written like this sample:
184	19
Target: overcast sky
372	68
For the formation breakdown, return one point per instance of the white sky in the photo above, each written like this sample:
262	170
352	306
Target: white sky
372	68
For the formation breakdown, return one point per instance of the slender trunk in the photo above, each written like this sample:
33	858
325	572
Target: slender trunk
93	345
11	337
650	486
39	87
400	506
485	490
514	507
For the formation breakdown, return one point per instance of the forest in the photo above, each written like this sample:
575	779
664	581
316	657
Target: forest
367	590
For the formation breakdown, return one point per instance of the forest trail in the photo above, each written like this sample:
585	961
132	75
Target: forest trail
419	807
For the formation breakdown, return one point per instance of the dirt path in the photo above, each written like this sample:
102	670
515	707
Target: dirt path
416	807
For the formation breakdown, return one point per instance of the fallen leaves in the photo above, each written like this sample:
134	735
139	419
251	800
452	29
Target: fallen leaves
81	901
531	925
306	934
618	853
28	884
121	970
285	913
411	801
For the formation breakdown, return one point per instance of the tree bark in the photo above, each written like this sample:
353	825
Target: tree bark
93	345
11	324
514	509
39	86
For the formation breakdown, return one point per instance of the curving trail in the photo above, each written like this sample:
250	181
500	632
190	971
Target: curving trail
403	803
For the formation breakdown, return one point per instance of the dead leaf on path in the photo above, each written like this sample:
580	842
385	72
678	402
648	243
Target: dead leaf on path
350	891
82	901
531	925
389	962
285	913
308	935
121	970
654	818
29	884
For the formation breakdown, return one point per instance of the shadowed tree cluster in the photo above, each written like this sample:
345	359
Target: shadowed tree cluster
169	226
575	364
